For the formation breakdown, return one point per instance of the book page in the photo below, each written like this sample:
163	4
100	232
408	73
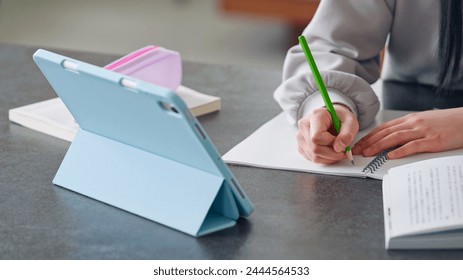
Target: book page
426	196
193	98
50	117
198	103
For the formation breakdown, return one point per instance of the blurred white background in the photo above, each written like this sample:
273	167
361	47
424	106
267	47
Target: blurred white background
198	29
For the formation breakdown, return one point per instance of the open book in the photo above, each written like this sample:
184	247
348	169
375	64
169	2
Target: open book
53	118
423	205
274	146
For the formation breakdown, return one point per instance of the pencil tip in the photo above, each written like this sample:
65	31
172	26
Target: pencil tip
350	157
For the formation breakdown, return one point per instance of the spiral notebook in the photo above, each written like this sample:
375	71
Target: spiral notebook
273	146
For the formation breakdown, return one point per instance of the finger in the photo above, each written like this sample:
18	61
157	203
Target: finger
392	140
321	137
349	129
387	126
304	128
325	152
325	161
317	153
413	147
319	126
357	149
373	138
302	144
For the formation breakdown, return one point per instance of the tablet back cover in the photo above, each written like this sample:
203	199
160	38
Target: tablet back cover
136	113
140	120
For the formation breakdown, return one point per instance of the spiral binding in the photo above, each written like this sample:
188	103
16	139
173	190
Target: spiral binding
377	162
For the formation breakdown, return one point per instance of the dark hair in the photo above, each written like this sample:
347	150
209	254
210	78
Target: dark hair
450	42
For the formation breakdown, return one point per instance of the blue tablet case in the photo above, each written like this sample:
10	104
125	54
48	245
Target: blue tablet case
140	149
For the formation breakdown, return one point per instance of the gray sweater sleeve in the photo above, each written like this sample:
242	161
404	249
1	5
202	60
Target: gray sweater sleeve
345	38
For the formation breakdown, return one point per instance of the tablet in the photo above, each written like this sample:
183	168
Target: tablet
123	111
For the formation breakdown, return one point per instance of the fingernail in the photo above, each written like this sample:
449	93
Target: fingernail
340	147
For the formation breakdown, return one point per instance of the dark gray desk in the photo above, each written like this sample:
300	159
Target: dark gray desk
297	215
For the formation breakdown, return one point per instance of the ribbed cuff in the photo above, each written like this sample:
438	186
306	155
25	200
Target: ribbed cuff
315	101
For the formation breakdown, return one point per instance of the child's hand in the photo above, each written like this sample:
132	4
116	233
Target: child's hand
316	137
428	131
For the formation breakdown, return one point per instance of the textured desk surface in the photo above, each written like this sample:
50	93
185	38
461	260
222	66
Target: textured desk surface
297	215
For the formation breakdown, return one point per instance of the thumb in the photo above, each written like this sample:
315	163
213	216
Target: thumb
349	128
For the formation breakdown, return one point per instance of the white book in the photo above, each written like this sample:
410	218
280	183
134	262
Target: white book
53	118
423	205
274	146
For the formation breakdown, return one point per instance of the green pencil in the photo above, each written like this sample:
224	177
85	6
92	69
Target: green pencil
324	93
